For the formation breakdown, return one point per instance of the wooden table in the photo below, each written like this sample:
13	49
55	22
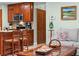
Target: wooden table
63	51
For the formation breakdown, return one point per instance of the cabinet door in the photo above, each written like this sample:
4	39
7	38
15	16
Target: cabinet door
22	8
10	13
25	7
17	8
29	36
31	12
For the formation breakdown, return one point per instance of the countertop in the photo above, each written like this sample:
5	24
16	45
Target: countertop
6	31
11	30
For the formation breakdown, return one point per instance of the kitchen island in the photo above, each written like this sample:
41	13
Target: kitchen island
29	35
1	40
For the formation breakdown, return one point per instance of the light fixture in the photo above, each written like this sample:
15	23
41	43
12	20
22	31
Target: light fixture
21	23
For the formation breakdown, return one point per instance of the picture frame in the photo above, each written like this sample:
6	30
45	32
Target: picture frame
68	13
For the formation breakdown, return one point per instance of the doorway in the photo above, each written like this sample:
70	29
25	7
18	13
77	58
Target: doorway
41	26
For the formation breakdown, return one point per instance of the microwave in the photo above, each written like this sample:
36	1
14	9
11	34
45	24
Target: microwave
18	17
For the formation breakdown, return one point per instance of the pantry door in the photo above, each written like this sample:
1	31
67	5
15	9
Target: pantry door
41	26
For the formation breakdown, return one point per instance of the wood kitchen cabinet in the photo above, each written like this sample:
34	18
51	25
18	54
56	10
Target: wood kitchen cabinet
16	8
29	36
12	10
27	11
2	42
21	8
10	13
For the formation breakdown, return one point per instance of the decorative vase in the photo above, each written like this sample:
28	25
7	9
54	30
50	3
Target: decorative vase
51	26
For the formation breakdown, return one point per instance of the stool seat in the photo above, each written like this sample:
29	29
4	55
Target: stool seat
23	38
10	40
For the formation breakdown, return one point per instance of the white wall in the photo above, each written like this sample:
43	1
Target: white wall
4	16
54	9
0	6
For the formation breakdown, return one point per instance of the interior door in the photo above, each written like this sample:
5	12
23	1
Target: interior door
0	19
41	26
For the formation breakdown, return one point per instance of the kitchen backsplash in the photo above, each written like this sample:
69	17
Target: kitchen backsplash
27	25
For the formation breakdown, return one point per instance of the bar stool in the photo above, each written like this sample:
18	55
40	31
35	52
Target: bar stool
23	39
10	40
16	36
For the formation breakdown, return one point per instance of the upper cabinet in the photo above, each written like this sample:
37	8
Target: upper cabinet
21	8
10	12
16	8
27	10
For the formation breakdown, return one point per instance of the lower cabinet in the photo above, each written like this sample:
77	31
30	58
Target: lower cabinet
29	36
29	41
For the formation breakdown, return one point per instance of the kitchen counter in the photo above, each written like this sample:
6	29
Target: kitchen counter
29	35
6	31
12	30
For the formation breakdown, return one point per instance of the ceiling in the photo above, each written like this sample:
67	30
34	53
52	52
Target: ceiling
8	2
19	2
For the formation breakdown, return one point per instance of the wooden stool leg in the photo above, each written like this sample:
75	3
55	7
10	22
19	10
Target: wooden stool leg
3	49
12	48
19	46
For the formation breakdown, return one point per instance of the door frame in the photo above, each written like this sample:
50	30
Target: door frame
1	19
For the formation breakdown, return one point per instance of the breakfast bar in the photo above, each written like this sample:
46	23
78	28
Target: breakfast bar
1	41
29	33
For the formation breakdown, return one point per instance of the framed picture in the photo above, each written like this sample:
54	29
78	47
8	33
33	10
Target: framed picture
68	13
